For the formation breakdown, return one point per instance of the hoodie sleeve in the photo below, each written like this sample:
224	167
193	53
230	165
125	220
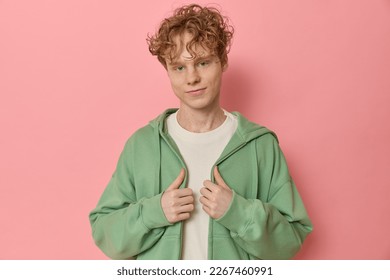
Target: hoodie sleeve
122	225
273	227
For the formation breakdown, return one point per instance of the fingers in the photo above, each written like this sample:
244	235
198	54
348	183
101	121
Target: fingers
177	199
205	201
209	198
209	185
189	199
177	204
178	181
206	192
210	189
181	217
207	210
176	194
216	197
185	209
178	212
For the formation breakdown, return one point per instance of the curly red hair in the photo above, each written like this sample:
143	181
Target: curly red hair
208	28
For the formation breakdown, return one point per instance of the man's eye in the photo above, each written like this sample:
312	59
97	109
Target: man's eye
180	68
204	63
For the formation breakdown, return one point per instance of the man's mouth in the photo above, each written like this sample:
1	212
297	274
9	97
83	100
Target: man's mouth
196	91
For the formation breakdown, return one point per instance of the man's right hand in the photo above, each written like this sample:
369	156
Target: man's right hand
176	203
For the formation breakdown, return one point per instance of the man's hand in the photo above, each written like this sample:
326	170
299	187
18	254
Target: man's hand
176	203
215	198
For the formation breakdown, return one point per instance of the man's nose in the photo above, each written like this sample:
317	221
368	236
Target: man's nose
193	76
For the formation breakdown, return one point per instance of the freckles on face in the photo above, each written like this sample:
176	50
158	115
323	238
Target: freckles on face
195	78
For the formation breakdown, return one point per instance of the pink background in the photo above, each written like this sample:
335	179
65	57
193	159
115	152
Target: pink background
76	80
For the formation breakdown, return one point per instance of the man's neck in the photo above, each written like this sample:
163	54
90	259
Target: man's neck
199	121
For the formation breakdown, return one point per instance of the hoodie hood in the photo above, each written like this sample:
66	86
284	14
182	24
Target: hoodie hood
245	133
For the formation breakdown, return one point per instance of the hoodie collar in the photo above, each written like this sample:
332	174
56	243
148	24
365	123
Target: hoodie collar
246	131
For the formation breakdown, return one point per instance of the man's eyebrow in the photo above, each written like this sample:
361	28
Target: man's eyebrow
196	59
205	57
174	63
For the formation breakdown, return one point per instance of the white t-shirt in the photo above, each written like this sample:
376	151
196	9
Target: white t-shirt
200	152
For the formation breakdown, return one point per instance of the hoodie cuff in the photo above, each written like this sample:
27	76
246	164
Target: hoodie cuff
238	216
152	214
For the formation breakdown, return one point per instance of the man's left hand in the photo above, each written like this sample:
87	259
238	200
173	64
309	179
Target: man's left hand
216	197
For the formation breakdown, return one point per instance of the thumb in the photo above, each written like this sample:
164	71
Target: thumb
218	179
177	182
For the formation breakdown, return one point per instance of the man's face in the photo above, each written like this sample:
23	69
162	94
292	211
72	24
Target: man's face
195	81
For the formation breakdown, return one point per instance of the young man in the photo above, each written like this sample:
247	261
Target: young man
199	182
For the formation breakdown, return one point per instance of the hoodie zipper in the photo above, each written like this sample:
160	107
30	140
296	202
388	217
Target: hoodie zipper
219	161
167	140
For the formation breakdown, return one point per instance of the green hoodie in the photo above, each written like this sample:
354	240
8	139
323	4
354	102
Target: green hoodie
266	218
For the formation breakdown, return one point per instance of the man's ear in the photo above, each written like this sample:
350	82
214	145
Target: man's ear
225	67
